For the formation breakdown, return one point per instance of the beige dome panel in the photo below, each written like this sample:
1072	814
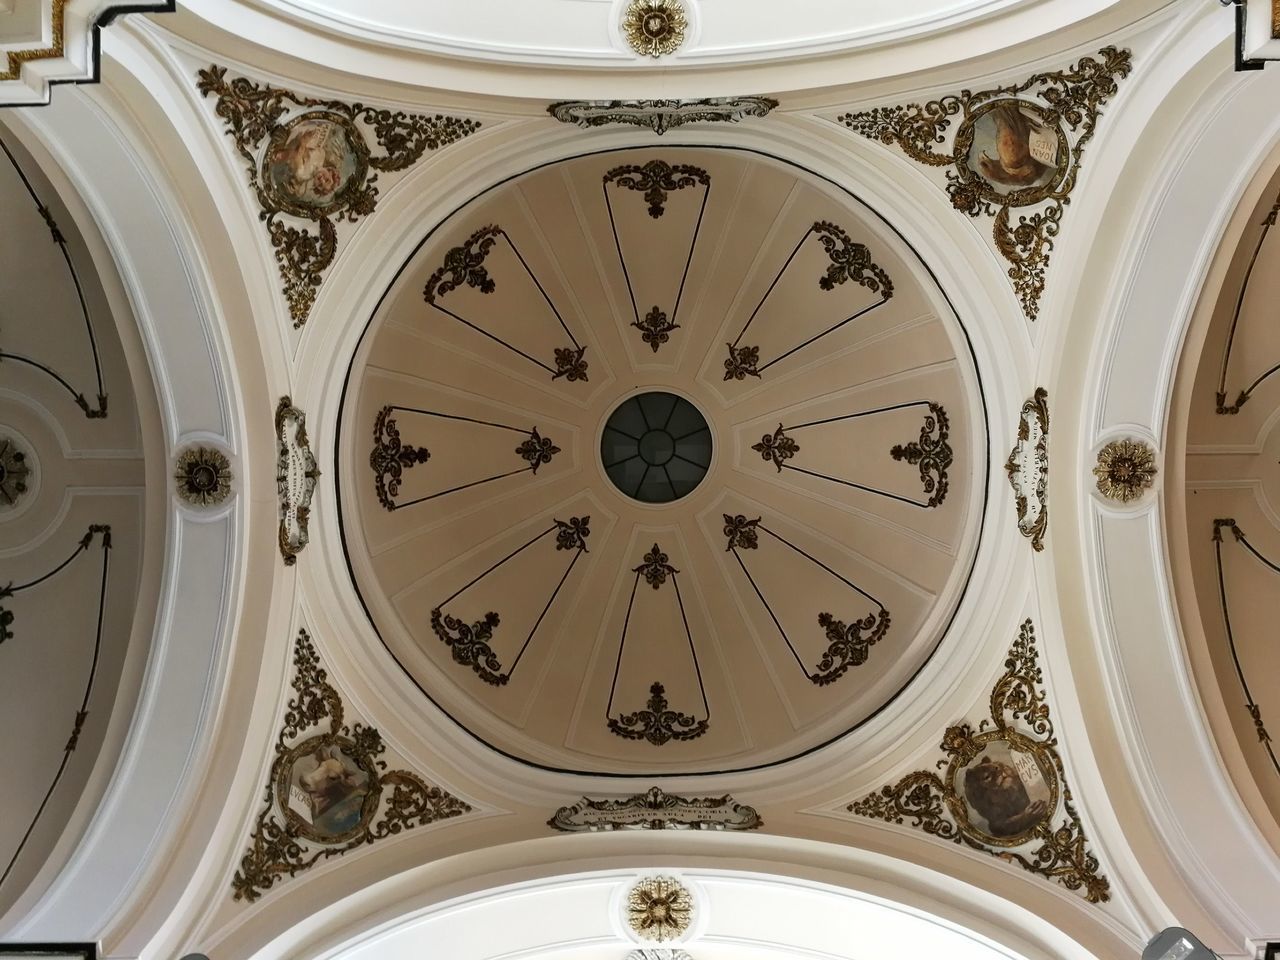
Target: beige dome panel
662	461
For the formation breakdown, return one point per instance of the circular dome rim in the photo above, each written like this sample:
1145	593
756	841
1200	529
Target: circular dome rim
977	525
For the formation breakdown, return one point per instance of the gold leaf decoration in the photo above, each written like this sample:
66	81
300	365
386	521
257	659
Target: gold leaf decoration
310	163
655	28
1014	147
1003	786
329	790
659	908
1125	469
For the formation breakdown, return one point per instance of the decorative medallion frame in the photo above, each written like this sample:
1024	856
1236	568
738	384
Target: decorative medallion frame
659	908
1126	470
296	477
202	476
660	115
1028	469
1038	128
310	163
1007	802
655	28
329	790
656	810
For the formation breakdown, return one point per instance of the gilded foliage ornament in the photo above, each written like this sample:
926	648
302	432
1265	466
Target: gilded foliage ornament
309	161
296	476
1014	147
656	810
655	28
1028	469
1003	785
660	115
656	179
931	453
659	908
329	790
203	476
658	724
390	457
1126	468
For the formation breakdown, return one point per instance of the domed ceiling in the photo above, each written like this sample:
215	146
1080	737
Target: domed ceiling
662	461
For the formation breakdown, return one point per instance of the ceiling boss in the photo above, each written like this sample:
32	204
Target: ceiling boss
655	28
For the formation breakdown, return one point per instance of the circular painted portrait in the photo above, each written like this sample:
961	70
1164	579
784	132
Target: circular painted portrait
326	792
1012	153
1008	789
314	163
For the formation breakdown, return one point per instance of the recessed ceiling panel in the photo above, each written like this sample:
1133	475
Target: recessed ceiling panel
662	461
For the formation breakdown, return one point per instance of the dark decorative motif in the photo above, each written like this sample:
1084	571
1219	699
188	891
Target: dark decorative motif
1036	161
572	534
569	364
470	643
656	179
324	147
390	458
296	477
850	644
741	532
14	471
284	843
849	261
657	723
1126	468
203	476
1250	704
465	265
655	568
7	619
741	363
1028	469
931	453
660	115
656	810
537	450
776	447
655	329
92	413
1242	397
655	28
997	792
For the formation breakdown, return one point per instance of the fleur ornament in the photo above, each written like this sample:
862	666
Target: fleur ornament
777	447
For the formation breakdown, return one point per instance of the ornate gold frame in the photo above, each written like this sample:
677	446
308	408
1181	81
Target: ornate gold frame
1020	718
282	842
258	116
1066	101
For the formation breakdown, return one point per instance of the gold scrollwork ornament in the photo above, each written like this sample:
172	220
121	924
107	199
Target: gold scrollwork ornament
655	28
329	790
1003	786
1015	146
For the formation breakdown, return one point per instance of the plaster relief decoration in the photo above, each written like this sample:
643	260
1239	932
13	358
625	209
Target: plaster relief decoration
658	954
660	115
203	476
1126	470
1242	298
1003	786
656	810
296	476
655	28
329	790
9	626
655	181
314	163
1016	147
15	472
1028	469
848	644
67	269
659	908
61	47
656	722
465	265
1239	661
